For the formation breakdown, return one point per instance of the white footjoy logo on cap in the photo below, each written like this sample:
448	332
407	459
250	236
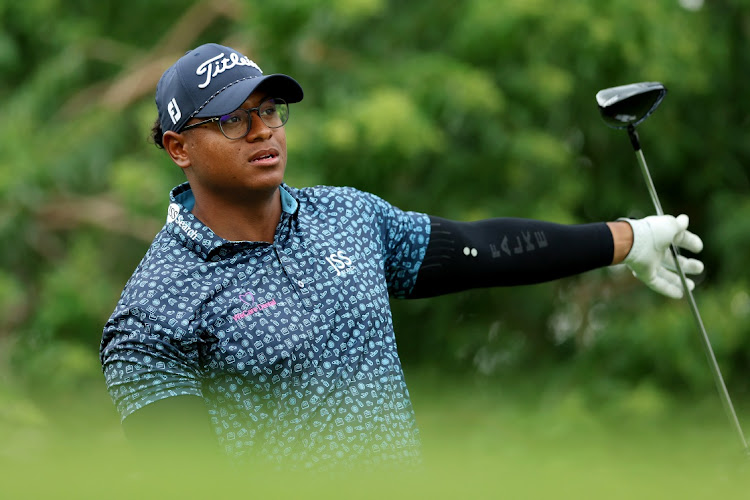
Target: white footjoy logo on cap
174	111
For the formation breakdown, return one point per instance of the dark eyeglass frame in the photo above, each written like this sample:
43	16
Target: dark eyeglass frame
249	112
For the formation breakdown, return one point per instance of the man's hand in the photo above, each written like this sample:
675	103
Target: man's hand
650	258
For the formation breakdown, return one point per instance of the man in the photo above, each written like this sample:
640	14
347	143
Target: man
260	313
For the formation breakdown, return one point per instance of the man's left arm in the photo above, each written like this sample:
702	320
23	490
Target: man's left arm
509	251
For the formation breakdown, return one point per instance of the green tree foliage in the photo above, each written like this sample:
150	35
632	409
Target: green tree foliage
466	109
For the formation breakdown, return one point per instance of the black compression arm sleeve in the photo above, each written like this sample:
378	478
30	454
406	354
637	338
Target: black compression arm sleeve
507	251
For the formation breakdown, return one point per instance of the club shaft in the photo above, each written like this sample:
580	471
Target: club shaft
722	388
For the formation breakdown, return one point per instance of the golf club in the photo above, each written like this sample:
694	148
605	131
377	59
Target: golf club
625	107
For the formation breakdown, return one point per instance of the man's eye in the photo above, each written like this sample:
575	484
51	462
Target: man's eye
269	111
230	119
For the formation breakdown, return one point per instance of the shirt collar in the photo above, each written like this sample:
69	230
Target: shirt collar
289	203
197	236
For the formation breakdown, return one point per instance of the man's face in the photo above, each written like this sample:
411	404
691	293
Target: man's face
232	168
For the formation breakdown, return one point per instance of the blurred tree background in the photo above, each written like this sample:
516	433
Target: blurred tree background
463	109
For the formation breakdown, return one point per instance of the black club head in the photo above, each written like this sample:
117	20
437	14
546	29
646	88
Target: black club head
628	105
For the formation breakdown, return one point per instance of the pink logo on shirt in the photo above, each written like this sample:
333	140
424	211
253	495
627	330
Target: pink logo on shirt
249	299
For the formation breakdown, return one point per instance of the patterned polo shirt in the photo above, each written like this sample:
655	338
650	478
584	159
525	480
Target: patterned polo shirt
291	343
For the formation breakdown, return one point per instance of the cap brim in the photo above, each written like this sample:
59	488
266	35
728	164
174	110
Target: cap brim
235	94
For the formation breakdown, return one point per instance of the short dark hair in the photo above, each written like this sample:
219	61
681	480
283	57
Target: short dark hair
157	135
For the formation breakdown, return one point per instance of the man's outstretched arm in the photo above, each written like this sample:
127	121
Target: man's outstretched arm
509	251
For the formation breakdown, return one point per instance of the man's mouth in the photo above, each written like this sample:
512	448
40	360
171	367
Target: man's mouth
264	156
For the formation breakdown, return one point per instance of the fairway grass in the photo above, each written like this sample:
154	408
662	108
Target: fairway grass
479	442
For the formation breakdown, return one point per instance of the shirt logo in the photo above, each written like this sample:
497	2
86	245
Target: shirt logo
174	111
216	65
249	299
340	263
174	215
173	212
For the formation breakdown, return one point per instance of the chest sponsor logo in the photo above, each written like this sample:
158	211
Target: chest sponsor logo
249	299
340	263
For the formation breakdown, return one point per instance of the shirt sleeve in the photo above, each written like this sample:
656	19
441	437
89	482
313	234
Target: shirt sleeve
146	359
405	236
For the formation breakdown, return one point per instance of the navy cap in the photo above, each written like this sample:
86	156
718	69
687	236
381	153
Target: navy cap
213	80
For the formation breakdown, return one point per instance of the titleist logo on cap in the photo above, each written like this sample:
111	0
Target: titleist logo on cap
213	80
219	64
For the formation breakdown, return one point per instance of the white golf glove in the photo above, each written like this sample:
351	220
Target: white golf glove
650	258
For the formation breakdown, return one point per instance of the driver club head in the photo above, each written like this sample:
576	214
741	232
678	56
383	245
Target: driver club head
628	105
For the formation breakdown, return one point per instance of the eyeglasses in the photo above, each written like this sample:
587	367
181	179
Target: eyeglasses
273	112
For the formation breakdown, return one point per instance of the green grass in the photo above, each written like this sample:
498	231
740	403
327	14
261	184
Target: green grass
481	440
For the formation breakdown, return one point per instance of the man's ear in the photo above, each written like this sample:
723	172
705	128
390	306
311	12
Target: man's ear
174	144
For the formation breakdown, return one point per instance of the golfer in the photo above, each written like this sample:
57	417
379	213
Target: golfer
259	322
